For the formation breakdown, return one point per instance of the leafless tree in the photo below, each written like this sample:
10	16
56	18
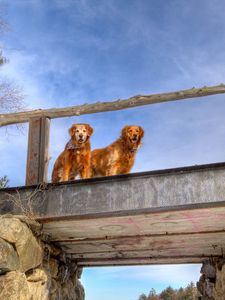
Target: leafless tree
4	27
11	97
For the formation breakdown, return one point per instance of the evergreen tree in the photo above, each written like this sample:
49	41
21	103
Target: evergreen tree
3	182
152	295
188	293
168	294
143	297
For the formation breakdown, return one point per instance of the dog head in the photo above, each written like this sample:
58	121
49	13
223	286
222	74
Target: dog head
80	133
132	135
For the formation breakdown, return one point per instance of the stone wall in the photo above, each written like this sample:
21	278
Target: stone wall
212	281
33	269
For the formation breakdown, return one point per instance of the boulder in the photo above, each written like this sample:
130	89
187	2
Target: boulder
9	260
53	267
16	232
38	284
219	289
13	286
79	291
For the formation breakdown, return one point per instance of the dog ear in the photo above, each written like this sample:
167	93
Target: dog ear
141	132
89	130
72	130
124	131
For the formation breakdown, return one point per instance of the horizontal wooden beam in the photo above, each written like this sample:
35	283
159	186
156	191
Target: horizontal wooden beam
144	261
139	100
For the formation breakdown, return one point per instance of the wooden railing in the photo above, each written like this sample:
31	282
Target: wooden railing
39	123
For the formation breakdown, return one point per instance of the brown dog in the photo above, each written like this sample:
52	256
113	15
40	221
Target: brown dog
119	157
75	159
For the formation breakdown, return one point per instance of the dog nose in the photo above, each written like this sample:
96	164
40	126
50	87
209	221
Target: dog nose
80	135
135	135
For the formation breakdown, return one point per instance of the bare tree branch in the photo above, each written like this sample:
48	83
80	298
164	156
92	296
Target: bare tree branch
11	97
4	27
26	204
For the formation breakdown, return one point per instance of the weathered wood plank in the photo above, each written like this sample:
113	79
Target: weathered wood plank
37	155
142	261
154	253
139	100
44	150
195	221
173	249
167	245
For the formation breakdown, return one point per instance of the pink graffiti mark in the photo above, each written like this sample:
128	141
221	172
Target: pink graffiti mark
192	219
220	215
199	214
102	222
123	221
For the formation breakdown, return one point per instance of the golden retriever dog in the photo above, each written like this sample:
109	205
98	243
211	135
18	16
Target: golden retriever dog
119	157
75	159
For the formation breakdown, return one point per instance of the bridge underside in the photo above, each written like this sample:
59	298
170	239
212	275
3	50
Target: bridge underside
158	217
184	236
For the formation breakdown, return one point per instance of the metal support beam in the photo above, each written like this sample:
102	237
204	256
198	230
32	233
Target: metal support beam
37	155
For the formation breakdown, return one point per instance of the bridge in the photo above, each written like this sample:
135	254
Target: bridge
156	217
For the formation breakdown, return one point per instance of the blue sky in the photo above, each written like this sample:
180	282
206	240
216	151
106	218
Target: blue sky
110	283
68	52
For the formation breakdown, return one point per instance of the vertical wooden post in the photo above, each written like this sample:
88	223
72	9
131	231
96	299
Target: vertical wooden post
37	155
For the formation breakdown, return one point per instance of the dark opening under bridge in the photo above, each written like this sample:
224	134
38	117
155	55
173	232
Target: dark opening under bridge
157	217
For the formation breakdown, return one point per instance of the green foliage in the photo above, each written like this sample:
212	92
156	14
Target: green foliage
3	60
143	297
153	295
4	182
188	293
168	294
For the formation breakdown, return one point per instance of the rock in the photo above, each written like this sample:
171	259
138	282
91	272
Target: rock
219	289
38	291
28	249
79	291
38	284
68	290
53	288
56	279
32	224
13	286
209	270
55	251
38	275
79	272
9	260
53	267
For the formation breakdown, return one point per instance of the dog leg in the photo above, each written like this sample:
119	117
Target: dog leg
112	171
66	172
85	172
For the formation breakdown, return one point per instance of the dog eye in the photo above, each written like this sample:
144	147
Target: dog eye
77	130
84	130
